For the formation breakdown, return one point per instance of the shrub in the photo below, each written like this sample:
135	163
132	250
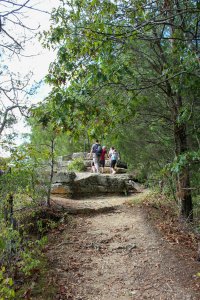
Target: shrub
76	165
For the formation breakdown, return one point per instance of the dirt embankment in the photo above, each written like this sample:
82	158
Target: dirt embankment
116	255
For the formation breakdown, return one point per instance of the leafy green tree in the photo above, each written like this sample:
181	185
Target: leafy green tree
47	141
42	151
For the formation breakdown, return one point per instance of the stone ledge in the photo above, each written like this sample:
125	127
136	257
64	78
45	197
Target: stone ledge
89	184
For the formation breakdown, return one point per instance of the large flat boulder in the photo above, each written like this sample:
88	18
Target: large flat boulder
69	184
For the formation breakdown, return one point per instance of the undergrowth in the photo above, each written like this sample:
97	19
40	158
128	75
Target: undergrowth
38	285
22	245
52	222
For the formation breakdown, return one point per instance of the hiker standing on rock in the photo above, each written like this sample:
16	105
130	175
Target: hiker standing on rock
102	158
96	151
114	158
109	155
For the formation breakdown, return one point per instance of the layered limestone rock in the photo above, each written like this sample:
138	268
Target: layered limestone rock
70	184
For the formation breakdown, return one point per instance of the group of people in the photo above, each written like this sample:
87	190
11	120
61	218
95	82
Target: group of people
99	154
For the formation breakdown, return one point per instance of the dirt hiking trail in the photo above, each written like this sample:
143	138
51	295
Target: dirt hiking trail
116	254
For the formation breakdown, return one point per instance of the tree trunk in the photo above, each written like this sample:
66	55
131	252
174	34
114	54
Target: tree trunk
183	179
184	195
51	172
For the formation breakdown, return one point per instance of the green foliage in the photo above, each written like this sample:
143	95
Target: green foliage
29	263
6	286
43	227
19	243
10	242
76	165
184	160
65	142
3	163
21	183
20	254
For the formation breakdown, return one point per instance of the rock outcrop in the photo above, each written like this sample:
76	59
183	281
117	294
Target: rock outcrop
73	185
